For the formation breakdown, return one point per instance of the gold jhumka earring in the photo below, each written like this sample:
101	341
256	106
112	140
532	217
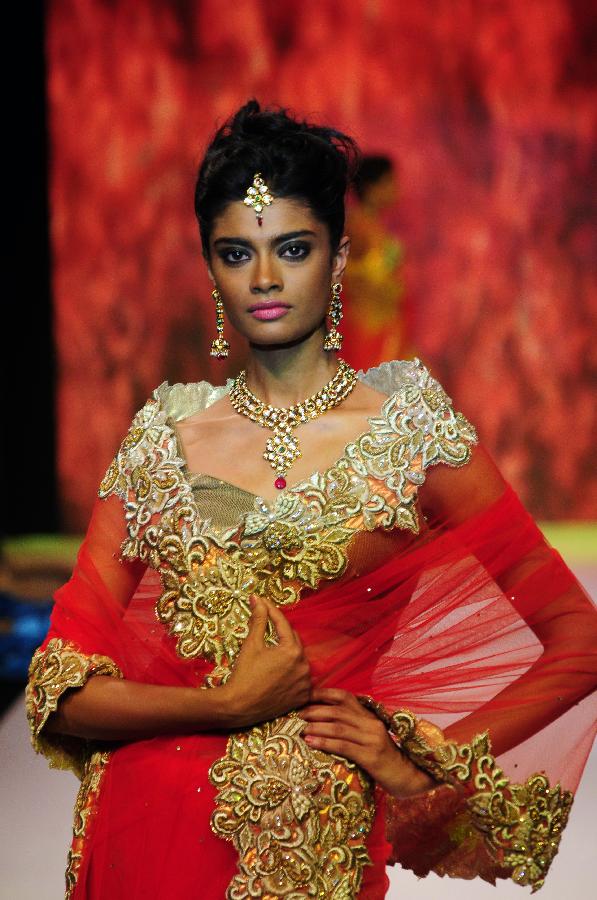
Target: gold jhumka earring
219	346
333	339
258	196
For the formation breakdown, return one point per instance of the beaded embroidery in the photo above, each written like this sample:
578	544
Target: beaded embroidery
85	807
299	818
522	823
56	668
60	665
209	575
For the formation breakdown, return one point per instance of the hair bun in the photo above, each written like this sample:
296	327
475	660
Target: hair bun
298	159
242	117
254	123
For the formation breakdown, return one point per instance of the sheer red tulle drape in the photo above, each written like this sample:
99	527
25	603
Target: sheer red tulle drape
476	624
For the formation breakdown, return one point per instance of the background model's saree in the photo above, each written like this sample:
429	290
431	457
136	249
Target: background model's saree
455	622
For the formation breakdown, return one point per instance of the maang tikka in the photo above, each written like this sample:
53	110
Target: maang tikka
333	339
219	346
258	196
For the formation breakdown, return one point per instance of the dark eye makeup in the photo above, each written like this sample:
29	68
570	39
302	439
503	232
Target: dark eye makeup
232	256
295	251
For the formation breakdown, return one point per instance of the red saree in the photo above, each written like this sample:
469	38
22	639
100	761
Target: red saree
436	600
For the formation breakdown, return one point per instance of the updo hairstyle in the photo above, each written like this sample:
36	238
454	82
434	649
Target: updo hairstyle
297	160
371	170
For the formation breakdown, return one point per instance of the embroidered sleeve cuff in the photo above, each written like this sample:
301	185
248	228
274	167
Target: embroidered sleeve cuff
54	669
476	822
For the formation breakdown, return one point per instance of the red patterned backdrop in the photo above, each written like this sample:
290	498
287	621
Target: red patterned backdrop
489	109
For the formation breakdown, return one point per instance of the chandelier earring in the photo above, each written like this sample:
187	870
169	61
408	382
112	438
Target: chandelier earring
333	338
219	346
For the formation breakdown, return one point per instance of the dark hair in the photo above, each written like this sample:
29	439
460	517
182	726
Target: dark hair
371	169
297	159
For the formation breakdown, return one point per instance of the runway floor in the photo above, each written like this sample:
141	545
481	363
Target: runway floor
37	812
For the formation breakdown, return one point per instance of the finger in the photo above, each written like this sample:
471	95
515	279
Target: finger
258	620
283	627
347	749
342	731
334	696
336	730
328	713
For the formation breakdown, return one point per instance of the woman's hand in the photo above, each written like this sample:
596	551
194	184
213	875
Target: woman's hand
267	681
338	723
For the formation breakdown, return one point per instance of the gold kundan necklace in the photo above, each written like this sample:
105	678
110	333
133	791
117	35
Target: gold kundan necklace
282	448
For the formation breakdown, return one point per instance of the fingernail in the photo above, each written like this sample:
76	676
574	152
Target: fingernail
310	739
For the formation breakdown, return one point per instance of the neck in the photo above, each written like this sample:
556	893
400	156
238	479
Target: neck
283	376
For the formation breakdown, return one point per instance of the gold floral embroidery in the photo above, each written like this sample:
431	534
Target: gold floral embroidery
60	665
289	554
298	817
85	809
54	669
208	575
300	832
521	823
525	827
420	430
205	598
146	474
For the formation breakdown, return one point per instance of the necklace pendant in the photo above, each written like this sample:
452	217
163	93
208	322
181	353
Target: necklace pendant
282	448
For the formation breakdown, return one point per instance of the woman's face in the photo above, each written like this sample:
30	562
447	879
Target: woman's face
274	279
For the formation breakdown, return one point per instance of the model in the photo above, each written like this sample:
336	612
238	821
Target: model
311	628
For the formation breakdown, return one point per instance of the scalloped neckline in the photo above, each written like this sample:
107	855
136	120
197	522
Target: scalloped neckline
295	488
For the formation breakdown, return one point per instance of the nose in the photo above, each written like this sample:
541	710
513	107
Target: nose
265	275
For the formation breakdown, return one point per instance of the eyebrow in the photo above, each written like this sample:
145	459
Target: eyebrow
277	239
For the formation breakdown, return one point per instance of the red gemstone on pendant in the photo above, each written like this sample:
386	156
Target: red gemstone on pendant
280	483
260	221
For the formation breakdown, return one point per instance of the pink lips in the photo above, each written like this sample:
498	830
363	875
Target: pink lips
272	310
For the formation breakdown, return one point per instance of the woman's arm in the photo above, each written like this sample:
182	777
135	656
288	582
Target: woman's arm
107	708
76	689
267	681
566	626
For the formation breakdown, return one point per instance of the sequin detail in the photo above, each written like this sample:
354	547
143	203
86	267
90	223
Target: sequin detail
208	575
521	823
317	848
60	665
299	818
85	809
54	669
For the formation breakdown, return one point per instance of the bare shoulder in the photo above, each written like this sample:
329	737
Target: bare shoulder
212	427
